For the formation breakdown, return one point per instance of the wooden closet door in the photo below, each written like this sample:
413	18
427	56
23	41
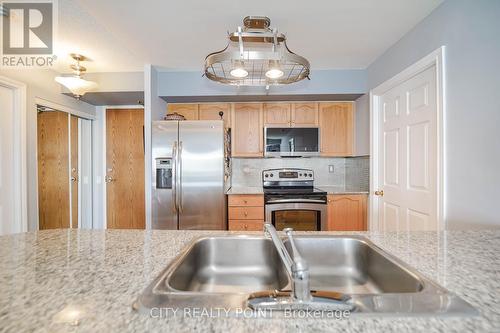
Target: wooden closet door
125	168
53	170
247	130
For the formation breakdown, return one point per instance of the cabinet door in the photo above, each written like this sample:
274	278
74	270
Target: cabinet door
277	114
189	111
336	121
247	130
304	114
347	212
211	111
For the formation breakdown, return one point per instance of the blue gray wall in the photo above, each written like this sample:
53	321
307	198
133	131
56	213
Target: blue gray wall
322	82
470	30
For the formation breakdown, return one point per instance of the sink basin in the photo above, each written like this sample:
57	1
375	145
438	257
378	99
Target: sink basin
229	265
221	272
352	266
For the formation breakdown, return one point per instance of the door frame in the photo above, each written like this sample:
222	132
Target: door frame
20	171
437	59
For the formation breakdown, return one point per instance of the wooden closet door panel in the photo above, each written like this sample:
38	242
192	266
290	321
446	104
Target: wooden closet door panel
305	114
74	171
247	130
337	128
189	111
125	168
53	170
210	111
277	114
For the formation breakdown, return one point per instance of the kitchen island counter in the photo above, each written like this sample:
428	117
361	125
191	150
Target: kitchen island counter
86	281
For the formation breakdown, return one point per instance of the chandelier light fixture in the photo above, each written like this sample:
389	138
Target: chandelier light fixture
256	55
75	83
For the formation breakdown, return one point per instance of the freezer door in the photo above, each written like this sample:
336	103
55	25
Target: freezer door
201	197
164	142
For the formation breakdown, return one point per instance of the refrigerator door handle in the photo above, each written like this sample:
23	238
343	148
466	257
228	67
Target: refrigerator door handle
179	195
174	177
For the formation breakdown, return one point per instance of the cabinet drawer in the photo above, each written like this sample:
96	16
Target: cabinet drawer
246	200
246	213
246	225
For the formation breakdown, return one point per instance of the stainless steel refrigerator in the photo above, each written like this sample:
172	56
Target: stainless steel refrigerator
188	175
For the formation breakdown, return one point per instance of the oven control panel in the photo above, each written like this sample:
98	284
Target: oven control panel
287	175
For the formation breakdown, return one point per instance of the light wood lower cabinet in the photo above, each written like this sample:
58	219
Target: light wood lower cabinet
347	212
246	212
246	225
336	121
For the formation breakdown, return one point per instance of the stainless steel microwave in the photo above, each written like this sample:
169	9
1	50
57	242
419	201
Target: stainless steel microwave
291	141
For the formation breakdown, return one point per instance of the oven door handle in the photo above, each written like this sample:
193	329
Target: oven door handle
272	201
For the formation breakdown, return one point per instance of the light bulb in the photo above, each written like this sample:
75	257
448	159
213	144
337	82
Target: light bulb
274	71
239	72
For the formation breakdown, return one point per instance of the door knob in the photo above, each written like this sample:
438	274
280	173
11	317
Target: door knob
109	179
380	193
73	179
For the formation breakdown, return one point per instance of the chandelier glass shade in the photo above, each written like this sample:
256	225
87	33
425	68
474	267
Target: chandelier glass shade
75	83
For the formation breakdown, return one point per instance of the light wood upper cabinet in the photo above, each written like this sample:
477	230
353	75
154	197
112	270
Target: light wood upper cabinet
304	114
247	130
336	121
347	212
277	114
189	111
210	111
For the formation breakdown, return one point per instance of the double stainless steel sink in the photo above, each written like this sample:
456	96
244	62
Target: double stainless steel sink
221	272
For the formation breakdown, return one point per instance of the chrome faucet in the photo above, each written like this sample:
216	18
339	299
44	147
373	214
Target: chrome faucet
301	296
296	266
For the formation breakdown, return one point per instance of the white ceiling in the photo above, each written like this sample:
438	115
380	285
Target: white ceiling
123	35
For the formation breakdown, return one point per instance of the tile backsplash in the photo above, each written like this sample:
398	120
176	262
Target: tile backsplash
348	172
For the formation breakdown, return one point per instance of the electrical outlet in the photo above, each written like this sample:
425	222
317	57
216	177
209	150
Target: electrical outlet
331	169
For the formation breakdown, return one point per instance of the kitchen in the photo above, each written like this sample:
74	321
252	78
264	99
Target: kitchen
348	186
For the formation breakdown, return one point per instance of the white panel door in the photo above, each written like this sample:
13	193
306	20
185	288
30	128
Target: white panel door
408	155
7	162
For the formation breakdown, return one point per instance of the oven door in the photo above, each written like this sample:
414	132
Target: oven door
299	216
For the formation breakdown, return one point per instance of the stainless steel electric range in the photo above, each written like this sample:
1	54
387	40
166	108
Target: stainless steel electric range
292	201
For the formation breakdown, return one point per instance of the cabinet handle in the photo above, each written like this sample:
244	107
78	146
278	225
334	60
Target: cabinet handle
245	227
245	213
245	201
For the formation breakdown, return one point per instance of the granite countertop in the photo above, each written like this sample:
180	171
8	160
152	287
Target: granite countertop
48	279
329	189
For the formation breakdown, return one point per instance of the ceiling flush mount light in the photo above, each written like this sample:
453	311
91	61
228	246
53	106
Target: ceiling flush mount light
256	55
75	83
